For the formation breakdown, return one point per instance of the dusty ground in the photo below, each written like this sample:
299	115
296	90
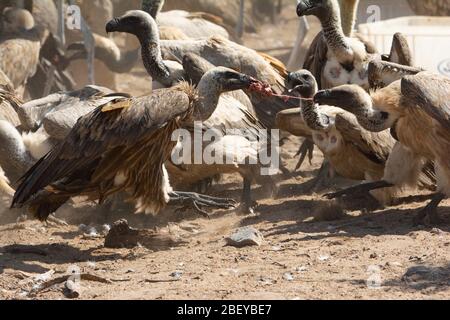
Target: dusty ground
300	259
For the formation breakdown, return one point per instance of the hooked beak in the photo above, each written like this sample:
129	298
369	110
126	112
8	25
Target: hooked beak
322	97
243	81
302	8
113	25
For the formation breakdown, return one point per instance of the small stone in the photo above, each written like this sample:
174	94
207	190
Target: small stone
177	274
302	269
324	258
245	237
288	277
373	256
437	231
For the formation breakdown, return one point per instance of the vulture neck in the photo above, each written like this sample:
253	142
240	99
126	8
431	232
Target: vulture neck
209	94
152	7
349	10
312	116
334	35
14	157
151	55
371	119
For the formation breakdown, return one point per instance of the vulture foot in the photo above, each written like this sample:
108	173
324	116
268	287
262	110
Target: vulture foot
359	190
306	150
430	212
190	200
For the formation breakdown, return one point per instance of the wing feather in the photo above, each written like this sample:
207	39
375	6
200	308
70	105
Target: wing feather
103	136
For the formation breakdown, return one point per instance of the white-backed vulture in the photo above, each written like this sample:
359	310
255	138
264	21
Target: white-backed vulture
404	167
43	123
354	152
226	9
123	145
337	57
19	48
192	24
233	112
417	108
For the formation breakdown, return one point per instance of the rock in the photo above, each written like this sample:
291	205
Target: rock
245	237
122	235
177	275
425	275
288	277
72	289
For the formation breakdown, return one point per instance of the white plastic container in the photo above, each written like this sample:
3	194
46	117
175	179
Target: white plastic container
428	37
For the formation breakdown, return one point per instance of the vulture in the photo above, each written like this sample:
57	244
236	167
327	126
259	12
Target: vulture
20	44
192	24
122	146
233	112
228	10
416	108
29	131
354	152
404	167
337	57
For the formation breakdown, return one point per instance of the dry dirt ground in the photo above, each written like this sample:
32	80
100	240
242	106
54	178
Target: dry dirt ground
303	257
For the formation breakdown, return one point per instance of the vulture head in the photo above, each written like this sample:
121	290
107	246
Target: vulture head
318	8
136	22
16	20
352	98
226	79
302	82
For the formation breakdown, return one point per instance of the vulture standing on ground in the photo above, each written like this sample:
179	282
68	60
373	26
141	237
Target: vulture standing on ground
417	109
404	168
20	44
234	110
123	145
354	152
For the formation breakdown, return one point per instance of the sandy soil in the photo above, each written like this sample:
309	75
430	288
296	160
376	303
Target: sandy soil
302	257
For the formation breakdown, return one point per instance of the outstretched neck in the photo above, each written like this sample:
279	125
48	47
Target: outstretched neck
334	35
373	120
153	7
151	56
349	10
209	95
312	116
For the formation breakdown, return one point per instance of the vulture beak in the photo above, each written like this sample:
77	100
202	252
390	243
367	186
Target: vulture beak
302	8
113	25
322	97
241	81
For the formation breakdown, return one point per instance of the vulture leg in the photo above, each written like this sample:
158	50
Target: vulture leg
430	211
322	179
198	201
246	200
359	189
306	149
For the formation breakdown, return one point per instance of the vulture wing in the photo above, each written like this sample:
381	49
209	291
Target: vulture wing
99	141
375	146
431	92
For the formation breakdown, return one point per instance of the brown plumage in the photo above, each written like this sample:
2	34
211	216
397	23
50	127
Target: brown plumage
226	9
115	139
120	146
9	105
19	50
417	108
354	152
